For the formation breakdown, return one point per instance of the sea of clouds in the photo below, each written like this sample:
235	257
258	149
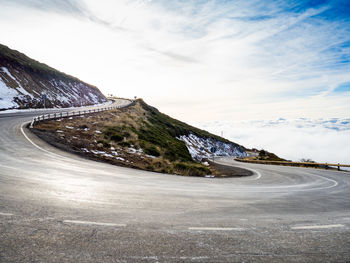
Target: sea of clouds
322	140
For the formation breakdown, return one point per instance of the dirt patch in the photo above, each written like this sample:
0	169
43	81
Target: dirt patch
230	171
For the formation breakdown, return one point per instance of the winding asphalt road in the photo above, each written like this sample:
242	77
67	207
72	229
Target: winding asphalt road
58	207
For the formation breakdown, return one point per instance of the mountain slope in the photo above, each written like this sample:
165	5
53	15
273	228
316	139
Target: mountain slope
139	136
24	80
160	127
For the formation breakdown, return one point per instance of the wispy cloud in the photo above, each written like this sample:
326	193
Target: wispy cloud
62	6
234	57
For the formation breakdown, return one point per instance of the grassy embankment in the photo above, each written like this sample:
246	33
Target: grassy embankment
138	136
263	155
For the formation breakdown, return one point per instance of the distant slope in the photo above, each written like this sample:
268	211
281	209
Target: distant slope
24	80
162	130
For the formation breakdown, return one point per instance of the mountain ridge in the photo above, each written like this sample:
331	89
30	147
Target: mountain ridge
23	81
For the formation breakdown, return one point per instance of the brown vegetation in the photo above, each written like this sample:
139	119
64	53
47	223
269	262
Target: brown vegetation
137	136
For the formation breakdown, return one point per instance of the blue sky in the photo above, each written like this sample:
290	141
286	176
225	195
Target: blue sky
196	60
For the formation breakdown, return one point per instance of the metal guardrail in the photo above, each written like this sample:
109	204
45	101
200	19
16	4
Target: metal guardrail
66	114
306	164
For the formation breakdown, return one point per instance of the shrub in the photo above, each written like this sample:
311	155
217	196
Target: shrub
125	144
192	169
116	137
105	143
152	150
262	153
150	167
306	160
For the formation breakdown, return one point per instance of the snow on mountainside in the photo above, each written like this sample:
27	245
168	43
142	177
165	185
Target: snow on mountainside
24	80
199	148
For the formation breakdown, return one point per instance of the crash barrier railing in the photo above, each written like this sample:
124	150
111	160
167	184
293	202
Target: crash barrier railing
303	164
66	114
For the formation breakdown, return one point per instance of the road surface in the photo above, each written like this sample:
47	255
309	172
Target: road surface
58	207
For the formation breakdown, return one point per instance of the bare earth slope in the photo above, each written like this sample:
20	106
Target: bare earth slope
24	80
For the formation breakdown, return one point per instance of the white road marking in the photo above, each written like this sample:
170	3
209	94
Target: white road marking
93	223
5	214
51	153
334	183
254	171
248	178
317	226
216	228
255	189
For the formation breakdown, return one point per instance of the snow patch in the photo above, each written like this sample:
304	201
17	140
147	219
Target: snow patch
101	153
19	88
134	151
199	147
6	96
23	91
150	156
8	73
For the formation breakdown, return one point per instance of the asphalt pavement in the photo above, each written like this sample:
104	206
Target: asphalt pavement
59	207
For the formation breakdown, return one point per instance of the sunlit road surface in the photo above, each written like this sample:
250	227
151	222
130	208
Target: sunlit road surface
58	207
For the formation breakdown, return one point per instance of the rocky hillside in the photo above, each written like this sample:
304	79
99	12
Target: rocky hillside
23	81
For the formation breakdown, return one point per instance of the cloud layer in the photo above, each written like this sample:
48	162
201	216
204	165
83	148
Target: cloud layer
322	140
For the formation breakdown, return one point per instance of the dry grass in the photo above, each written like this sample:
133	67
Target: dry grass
113	136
